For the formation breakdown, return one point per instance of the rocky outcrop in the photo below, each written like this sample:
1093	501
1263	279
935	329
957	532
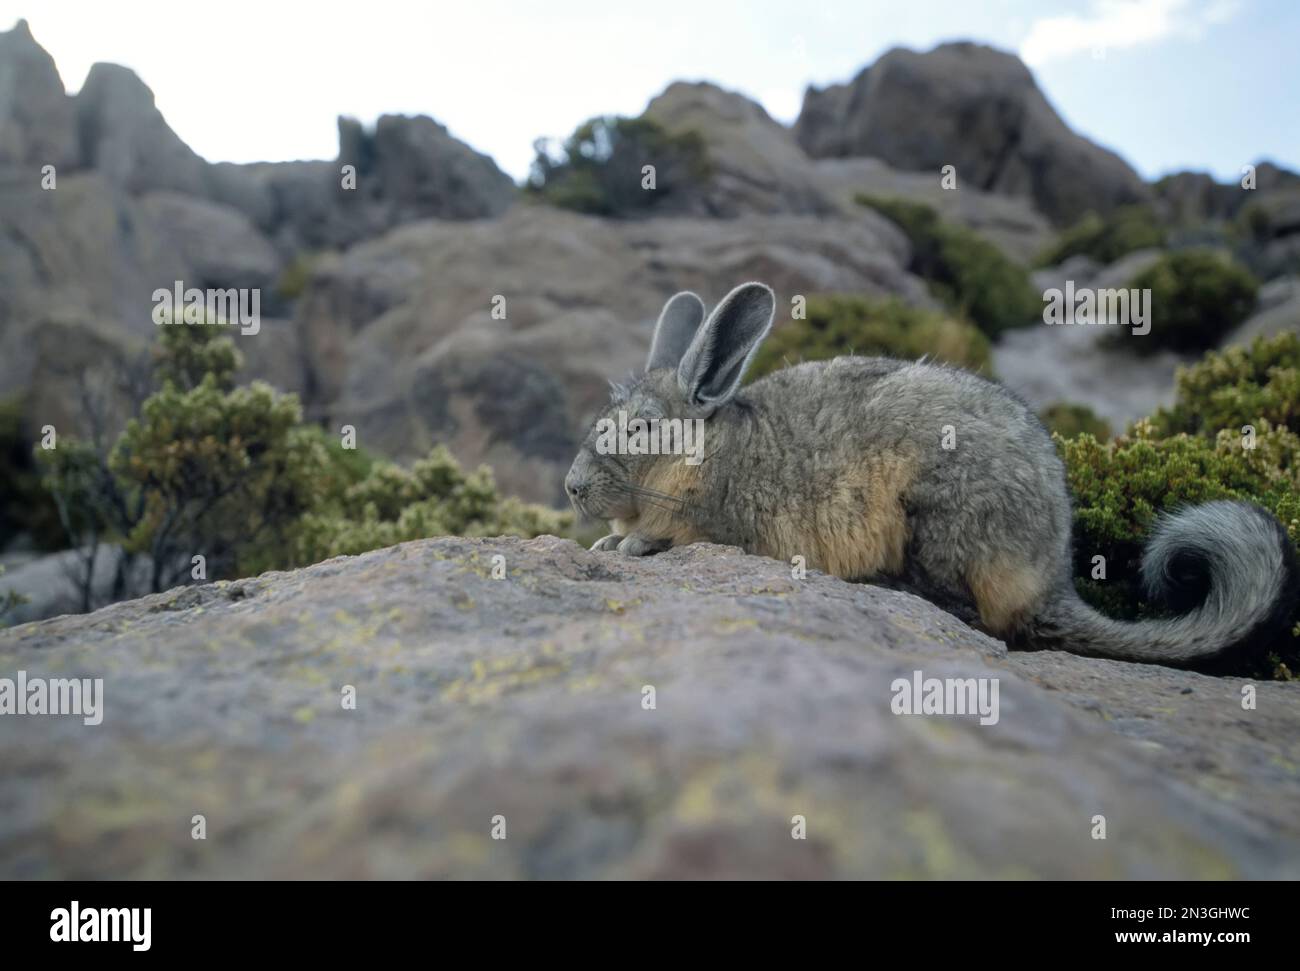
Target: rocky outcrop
669	717
37	124
755	164
1194	198
414	169
1191	198
219	243
78	269
404	170
70	582
133	209
1277	311
126	139
977	109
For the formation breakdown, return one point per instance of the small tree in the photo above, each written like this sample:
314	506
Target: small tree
230	472
599	169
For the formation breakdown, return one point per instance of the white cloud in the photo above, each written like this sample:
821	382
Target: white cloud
1118	24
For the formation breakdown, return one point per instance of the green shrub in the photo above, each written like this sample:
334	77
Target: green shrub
969	274
432	498
229	472
1068	420
837	325
598	169
1237	386
1197	297
1105	240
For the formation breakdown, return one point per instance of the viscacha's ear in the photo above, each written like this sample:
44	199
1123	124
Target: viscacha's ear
678	322
715	361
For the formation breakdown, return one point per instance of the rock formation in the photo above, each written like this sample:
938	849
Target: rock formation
670	717
975	108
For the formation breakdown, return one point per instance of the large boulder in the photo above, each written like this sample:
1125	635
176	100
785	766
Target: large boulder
670	717
1193	198
415	169
78	266
37	124
977	109
71	581
78	269
125	137
1277	311
405	169
755	164
220	244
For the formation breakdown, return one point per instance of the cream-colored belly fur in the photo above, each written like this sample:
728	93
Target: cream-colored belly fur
857	531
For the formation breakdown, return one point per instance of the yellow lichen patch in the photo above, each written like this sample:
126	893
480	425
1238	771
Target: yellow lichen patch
730	625
348	797
590	682
475	564
758	790
467	849
491	679
302	672
1222	788
939	855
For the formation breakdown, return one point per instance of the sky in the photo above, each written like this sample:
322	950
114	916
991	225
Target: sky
1209	85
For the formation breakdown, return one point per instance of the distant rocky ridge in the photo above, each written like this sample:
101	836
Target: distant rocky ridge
376	301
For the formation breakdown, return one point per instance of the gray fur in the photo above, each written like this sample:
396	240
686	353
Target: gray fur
775	450
711	369
678	322
1243	548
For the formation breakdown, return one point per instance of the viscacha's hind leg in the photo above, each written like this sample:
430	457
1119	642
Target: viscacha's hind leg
1006	591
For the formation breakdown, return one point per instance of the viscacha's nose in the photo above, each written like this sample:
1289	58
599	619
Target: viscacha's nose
574	485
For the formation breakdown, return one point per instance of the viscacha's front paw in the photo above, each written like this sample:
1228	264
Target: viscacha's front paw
636	546
607	543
